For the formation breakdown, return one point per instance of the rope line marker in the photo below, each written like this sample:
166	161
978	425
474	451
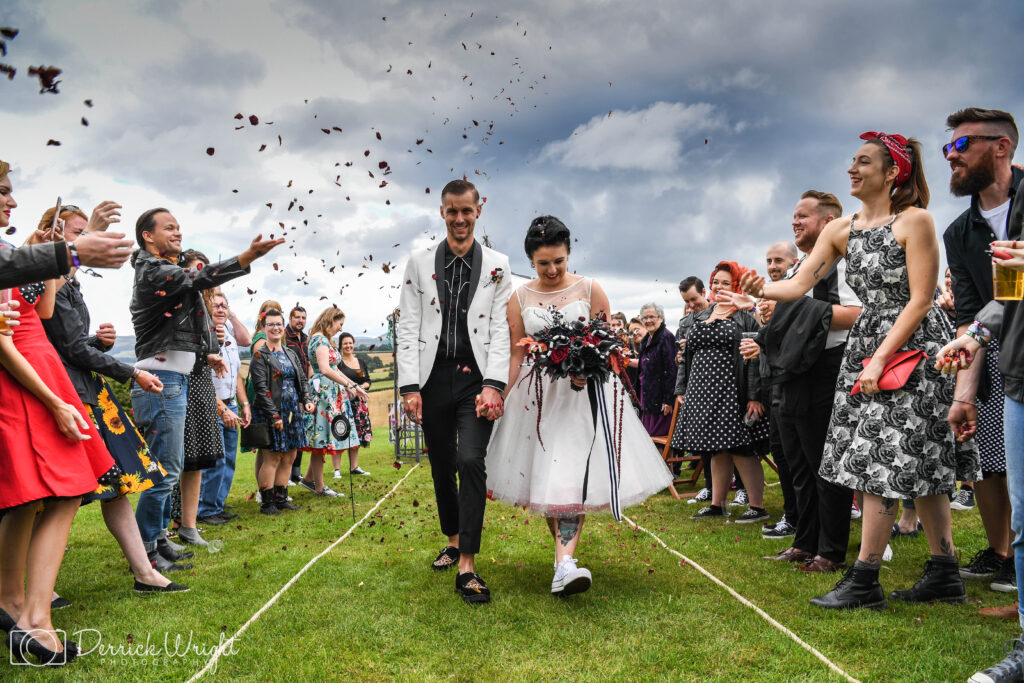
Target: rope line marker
230	641
742	600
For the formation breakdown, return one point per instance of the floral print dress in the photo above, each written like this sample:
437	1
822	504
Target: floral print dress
894	444
331	400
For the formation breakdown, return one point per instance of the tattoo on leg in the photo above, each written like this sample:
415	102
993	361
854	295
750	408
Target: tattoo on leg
874	558
567	529
947	548
887	506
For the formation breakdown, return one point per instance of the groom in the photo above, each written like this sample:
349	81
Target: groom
453	363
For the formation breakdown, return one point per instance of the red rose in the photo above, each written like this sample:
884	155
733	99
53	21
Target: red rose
559	354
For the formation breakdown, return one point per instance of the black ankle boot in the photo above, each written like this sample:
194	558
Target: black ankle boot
281	499
940	581
267	506
21	643
859	587
163	565
163	547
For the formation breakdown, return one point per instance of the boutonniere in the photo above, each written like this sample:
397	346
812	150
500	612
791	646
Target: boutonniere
495	276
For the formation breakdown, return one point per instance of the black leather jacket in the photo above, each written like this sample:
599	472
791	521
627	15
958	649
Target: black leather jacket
167	308
33	263
268	380
748	375
68	331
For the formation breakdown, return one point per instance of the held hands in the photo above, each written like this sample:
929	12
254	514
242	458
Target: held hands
489	404
752	283
106	334
957	355
766	309
103	215
10	316
413	406
1013	252
147	381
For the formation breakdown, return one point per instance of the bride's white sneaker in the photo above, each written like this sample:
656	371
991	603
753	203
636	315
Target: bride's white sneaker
569	578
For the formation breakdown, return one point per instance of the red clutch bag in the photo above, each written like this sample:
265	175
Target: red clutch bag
897	370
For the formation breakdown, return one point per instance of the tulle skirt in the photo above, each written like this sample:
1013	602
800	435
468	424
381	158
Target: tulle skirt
541	452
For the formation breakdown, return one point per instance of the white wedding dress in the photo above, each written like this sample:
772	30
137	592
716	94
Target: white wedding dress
539	451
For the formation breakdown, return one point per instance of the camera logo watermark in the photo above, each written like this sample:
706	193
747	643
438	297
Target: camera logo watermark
27	651
172	649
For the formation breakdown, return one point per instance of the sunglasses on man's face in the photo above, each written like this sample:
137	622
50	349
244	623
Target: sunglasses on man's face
963	143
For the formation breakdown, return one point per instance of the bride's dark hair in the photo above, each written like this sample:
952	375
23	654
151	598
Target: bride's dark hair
546	231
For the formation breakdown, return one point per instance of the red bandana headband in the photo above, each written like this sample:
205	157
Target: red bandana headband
897	146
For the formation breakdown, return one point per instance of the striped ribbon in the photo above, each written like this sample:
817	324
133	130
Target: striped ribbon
609	441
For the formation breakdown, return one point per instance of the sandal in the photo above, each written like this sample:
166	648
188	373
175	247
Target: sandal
472	588
446	559
896	533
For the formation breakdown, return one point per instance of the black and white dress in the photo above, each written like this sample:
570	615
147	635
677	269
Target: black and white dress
991	448
894	444
711	419
203	444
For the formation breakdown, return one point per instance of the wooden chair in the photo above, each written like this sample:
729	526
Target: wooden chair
664	444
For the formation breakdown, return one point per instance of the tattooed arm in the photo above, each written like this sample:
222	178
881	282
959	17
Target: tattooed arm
831	246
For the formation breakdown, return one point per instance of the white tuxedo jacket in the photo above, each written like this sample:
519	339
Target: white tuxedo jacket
419	322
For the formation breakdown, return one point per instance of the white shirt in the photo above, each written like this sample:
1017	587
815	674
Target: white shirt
173	361
226	386
996	219
847	297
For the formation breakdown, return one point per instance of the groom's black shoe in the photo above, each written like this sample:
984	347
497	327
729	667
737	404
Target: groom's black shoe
446	559
472	588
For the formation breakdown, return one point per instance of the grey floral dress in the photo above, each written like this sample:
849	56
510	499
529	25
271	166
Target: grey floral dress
894	444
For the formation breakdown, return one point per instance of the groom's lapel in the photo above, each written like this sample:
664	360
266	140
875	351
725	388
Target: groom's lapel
439	274
476	265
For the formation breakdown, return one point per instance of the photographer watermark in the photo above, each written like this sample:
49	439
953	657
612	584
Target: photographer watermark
172	649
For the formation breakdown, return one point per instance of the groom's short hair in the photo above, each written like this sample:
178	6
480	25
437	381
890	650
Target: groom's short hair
460	187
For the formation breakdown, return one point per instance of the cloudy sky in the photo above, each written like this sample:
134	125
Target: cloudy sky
667	135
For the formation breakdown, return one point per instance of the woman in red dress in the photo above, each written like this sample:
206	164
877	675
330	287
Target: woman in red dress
51	455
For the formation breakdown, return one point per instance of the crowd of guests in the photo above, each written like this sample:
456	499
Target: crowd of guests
870	383
69	442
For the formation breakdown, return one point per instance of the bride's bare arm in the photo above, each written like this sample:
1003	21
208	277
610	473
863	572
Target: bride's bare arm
517	330
825	253
599	306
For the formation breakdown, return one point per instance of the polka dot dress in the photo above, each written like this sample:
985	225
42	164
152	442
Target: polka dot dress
711	417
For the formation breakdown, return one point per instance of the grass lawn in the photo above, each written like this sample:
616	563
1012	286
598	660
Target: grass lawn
371	609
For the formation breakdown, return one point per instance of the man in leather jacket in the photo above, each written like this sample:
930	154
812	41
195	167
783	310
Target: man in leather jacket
171	327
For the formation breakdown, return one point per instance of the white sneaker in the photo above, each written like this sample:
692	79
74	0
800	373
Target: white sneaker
569	578
703	496
337	474
328	492
359	471
740	499
855	512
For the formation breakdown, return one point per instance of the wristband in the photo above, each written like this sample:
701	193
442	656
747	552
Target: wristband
135	373
73	250
957	400
245	403
979	333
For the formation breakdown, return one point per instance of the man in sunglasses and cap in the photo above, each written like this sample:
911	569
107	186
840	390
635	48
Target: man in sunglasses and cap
979	155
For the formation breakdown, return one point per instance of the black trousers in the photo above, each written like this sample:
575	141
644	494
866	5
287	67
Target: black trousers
789	507
823	508
456	445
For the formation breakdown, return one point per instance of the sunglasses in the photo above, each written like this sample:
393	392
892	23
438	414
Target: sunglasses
963	143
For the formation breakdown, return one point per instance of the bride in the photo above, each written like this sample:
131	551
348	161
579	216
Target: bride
549	452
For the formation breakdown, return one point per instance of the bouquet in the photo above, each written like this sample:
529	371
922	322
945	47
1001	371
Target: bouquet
581	348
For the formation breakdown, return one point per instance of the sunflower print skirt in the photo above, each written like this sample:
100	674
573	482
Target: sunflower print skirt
134	470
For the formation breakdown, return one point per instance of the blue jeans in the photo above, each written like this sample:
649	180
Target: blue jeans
161	421
217	479
1013	434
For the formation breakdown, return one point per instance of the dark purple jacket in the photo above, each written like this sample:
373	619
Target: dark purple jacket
657	370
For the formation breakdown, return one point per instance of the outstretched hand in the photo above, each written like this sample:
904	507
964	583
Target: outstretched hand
103	215
257	248
741	302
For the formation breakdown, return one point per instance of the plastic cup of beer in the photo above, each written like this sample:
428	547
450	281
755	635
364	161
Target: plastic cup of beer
1007	283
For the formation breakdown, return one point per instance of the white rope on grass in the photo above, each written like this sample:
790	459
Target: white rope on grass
764	615
230	641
